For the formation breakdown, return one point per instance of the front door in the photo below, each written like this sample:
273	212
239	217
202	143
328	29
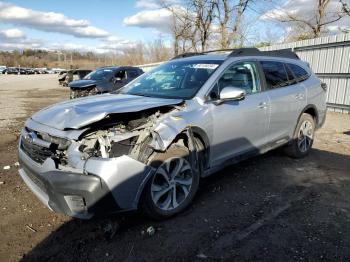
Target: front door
239	127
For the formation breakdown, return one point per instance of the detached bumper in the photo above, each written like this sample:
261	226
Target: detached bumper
105	186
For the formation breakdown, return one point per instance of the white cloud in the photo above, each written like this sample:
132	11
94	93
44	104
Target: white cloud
159	19
147	4
11	39
13	33
116	44
305	9
20	45
14	38
48	21
155	4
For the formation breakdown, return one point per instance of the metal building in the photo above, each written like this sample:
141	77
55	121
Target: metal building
329	58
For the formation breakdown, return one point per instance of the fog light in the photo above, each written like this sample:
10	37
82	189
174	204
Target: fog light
76	203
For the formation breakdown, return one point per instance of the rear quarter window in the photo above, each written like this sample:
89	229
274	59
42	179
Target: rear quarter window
300	73
275	74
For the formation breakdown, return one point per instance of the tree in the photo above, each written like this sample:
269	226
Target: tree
242	6
223	13
345	7
204	16
315	24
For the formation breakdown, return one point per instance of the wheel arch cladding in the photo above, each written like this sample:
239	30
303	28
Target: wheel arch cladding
311	110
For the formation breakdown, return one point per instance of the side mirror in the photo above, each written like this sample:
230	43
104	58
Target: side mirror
230	93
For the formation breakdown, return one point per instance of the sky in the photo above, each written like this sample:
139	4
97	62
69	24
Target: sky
107	25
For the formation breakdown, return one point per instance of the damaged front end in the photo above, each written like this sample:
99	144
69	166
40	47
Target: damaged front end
83	92
101	168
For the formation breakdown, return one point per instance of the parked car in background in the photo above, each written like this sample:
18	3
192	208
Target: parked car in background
62	77
149	145
29	71
2	69
65	77
104	80
12	71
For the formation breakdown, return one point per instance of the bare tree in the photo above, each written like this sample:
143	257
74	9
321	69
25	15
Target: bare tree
182	27
204	16
242	6
223	11
345	7
314	23
157	51
198	24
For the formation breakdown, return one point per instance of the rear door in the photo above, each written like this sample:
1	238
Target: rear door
287	99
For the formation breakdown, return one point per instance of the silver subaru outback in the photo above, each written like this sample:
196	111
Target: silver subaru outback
147	146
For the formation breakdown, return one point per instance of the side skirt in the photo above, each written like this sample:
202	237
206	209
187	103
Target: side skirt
246	155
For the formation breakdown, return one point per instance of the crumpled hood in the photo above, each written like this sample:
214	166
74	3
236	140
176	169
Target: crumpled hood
78	113
83	83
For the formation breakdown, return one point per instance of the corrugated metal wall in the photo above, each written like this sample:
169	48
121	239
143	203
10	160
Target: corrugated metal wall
329	58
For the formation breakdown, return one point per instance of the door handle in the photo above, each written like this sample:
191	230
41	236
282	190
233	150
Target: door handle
262	105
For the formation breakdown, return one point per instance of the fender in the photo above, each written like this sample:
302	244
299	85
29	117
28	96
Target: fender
305	109
167	131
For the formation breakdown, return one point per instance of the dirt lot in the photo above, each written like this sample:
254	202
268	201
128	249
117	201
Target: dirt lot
269	208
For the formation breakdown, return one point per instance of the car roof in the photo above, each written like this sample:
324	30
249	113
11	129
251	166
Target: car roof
223	54
216	57
119	67
223	57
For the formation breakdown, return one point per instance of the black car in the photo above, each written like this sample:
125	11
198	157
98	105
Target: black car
104	80
29	71
11	71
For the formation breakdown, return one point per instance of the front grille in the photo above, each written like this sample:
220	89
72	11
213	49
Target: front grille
76	93
38	153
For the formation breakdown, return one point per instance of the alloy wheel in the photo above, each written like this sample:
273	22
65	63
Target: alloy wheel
171	183
305	136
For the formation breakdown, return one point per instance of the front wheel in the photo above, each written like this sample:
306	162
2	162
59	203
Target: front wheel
173	185
303	137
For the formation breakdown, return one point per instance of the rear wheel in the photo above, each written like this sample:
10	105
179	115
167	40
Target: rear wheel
173	185
303	137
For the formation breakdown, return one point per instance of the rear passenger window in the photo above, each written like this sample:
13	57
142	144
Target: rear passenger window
291	78
133	74
275	74
299	72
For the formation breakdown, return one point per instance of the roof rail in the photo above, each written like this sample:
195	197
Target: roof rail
200	53
250	51
183	55
286	53
218	50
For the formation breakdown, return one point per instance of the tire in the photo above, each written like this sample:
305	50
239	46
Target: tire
303	137
71	95
162	206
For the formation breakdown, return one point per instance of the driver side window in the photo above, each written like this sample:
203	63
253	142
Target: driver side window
120	74
242	75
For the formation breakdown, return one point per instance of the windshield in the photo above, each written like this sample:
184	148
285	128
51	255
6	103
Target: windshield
99	74
178	79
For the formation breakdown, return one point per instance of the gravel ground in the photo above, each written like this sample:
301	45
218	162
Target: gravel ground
269	208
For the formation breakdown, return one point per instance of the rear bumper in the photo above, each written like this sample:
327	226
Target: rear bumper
104	186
